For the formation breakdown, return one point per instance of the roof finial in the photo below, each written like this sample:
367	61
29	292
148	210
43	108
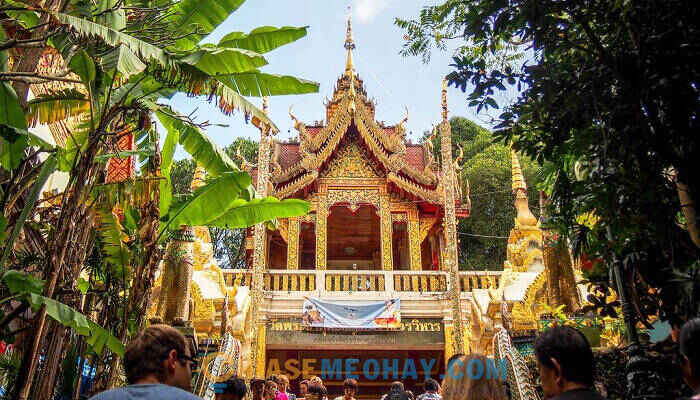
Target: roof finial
517	172
444	99
349	44
524	216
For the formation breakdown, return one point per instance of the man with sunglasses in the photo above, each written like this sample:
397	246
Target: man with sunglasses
158	365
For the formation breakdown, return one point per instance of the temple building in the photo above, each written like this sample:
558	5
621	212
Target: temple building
382	228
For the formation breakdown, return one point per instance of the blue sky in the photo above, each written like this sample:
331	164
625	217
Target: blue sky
394	81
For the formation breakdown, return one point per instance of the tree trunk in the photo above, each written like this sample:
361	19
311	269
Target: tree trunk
73	207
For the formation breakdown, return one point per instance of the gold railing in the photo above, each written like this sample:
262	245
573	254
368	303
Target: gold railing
470	280
420	281
355	281
363	281
290	281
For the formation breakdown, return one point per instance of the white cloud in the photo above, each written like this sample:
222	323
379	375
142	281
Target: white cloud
366	10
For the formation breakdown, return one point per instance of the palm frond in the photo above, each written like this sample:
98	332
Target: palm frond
56	106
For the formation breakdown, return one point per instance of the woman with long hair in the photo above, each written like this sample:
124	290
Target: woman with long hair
467	379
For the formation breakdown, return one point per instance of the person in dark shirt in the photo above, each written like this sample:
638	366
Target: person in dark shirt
565	361
233	389
690	355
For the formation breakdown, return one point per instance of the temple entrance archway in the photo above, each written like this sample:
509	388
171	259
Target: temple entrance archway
354	240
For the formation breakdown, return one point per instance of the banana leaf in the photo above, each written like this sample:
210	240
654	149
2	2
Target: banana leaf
256	83
69	317
244	213
200	18
123	60
208	202
202	149
11	115
263	39
56	106
219	61
115	38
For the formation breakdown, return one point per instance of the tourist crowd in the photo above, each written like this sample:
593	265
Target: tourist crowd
158	365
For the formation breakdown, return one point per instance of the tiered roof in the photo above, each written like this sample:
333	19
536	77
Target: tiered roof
410	169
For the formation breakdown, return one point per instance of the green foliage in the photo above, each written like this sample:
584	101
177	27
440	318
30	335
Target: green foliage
257	84
263	39
28	288
203	150
487	167
199	17
609	99
228	244
11	145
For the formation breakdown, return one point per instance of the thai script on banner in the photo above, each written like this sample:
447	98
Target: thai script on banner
338	315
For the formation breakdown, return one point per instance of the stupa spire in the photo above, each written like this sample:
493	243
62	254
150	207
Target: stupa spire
349	45
523	214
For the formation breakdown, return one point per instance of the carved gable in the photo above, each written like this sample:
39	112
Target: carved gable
350	162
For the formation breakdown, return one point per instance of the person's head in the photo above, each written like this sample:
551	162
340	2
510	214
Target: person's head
270	390
315	380
565	360
690	353
234	390
283	383
316	392
431	385
159	352
396	386
466	379
303	388
257	387
349	388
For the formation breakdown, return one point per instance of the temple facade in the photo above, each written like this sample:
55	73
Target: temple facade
382	226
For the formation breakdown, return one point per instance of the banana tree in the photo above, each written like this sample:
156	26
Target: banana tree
122	57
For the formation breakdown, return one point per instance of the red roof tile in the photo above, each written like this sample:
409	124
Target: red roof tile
414	156
289	155
313	130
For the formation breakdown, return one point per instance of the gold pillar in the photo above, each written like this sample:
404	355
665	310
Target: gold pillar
293	243
449	339
385	223
260	236
414	240
451	262
260	349
321	230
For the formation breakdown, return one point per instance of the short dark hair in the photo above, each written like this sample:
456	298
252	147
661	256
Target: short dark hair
318	391
145	354
236	386
350	384
690	343
431	385
571	350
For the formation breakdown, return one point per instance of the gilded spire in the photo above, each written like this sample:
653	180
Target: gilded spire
444	99
524	216
349	45
517	172
198	179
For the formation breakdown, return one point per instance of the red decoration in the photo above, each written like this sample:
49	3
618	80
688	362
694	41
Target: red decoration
121	169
